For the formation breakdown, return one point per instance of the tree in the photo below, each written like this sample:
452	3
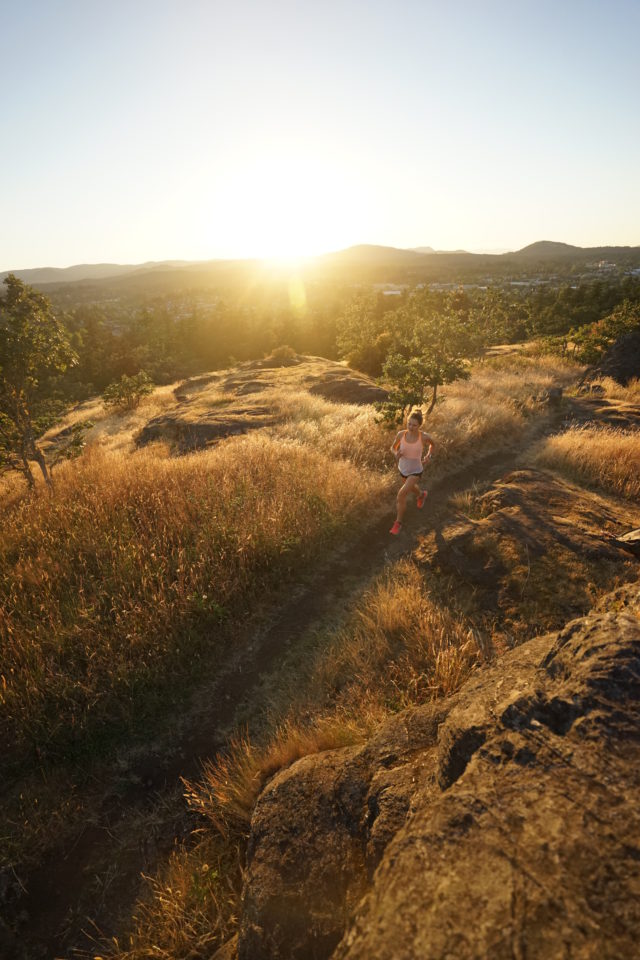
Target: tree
127	392
364	332
443	338
34	346
591	341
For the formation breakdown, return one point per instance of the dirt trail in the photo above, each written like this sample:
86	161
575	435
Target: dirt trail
74	894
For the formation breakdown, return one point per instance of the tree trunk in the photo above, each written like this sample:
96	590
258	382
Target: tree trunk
31	449
433	398
26	469
39	458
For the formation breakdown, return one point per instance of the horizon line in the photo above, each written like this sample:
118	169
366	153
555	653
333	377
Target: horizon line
420	249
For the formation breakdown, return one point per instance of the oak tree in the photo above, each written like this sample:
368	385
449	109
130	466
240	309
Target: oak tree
34	346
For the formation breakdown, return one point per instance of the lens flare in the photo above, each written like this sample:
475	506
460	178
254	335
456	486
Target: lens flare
297	296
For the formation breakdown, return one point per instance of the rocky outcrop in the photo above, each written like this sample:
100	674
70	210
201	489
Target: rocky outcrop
193	433
501	822
622	361
631	541
347	386
318	833
225	404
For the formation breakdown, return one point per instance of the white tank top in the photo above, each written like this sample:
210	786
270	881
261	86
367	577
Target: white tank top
410	456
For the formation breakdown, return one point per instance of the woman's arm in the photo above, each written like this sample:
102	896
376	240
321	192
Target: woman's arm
431	445
395	446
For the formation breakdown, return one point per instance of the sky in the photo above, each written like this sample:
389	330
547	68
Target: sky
154	130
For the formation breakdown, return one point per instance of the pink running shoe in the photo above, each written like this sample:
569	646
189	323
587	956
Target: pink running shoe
421	499
396	528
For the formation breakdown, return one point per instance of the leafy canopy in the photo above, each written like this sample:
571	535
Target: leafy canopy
438	343
590	342
33	343
34	348
127	392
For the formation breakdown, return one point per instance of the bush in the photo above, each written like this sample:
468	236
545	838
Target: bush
127	392
283	354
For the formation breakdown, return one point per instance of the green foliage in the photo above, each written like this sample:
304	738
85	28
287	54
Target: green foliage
127	392
558	311
365	335
503	317
73	443
34	348
438	341
282	354
589	343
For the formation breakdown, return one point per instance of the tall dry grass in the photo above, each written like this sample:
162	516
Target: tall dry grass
475	417
113	430
125	576
604	457
399	648
616	391
191	907
489	411
339	430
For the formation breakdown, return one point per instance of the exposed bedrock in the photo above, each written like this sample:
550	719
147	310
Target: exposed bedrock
500	822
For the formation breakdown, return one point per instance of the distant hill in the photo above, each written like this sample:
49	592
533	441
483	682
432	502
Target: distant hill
362	263
553	250
370	253
89	271
547	249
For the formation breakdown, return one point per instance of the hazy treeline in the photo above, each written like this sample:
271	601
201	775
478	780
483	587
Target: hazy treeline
175	337
171	338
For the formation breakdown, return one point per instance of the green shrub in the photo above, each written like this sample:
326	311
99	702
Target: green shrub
127	392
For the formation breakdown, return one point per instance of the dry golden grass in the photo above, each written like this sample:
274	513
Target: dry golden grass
489	411
112	429
123	576
604	457
614	390
477	416
230	785
341	431
190	908
470	502
398	649
402	645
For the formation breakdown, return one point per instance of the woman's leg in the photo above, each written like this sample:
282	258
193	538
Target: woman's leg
408	487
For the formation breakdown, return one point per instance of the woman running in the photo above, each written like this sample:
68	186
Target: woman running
408	449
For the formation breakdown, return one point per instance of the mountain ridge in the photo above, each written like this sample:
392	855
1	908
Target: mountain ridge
371	255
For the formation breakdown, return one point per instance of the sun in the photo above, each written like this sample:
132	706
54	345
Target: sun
285	264
284	208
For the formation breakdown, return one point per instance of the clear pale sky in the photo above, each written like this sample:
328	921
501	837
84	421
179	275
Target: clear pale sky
149	130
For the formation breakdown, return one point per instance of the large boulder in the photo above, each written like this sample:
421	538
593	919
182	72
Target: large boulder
622	360
348	387
318	833
187	433
499	822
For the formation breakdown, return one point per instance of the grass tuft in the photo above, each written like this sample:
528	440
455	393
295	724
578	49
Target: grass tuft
607	458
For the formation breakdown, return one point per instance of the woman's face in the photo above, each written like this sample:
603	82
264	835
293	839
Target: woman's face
413	424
